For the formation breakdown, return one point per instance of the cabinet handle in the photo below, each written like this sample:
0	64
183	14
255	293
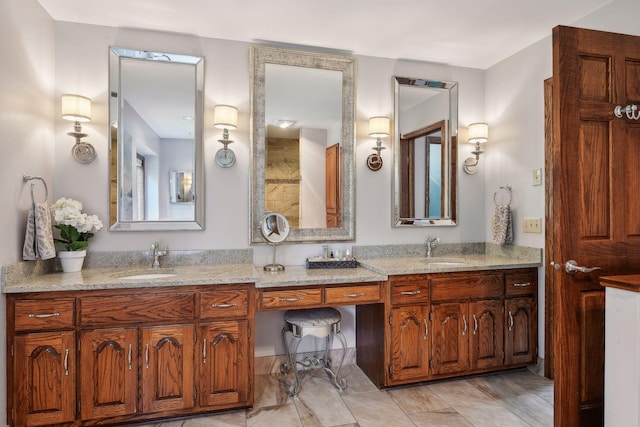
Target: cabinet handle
41	316
204	351
146	356
510	321
410	292
475	325
282	299
464	319
426	329
66	362
521	285
129	356
223	305
359	294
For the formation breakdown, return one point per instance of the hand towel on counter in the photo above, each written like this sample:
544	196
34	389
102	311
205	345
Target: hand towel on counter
38	239
502	225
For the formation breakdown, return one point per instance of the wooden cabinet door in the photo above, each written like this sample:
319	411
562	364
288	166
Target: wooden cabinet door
166	369
449	338
410	343
44	378
109	372
333	186
521	337
487	334
224	363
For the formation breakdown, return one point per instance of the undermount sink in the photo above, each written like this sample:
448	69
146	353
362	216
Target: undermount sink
145	275
445	262
148	276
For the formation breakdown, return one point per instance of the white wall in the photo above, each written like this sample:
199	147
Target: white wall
27	82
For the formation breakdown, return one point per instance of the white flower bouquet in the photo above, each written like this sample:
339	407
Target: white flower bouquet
76	228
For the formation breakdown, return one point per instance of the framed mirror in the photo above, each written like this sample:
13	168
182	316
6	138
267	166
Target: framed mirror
425	152
156	127
303	132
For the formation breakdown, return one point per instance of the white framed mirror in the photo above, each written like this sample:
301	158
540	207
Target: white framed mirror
305	170
156	125
425	152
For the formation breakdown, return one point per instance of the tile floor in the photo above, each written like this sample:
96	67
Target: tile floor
515	398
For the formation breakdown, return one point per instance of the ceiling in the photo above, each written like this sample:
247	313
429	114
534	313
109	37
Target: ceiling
466	33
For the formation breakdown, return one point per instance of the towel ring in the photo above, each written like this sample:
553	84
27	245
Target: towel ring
506	188
27	178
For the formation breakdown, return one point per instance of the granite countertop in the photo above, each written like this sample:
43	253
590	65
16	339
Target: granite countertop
234	266
110	278
299	275
443	264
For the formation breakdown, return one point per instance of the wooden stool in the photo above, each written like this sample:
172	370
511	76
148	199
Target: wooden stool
317	322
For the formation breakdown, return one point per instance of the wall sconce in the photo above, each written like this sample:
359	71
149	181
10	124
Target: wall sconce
478	134
78	109
378	128
225	117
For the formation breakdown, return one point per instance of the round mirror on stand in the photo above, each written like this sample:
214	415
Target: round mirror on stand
275	229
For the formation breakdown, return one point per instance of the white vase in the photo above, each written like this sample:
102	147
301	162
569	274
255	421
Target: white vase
71	261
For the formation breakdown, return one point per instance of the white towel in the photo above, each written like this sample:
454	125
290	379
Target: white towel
502	225
38	239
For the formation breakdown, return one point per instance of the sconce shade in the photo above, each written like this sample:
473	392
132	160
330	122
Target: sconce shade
379	126
225	117
478	132
76	108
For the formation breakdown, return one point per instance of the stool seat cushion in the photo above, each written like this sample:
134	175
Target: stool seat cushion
313	317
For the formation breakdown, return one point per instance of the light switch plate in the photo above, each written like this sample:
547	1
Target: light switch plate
536	177
532	225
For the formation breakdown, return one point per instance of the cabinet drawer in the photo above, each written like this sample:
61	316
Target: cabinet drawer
522	283
220	304
409	291
465	287
44	314
352	294
291	298
107	310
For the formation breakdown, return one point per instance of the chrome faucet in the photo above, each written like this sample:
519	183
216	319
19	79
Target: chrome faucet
157	253
432	242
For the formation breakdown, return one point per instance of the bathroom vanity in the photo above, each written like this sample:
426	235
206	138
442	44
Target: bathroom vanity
100	348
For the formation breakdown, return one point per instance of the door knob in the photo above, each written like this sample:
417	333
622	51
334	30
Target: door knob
571	267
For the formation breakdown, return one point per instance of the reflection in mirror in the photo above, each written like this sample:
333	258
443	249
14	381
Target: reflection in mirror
426	132
181	187
156	117
302	150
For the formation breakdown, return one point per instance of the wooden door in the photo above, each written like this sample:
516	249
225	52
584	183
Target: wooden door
595	169
450	338
487	334
44	378
410	343
224	365
167	368
109	372
333	186
522	334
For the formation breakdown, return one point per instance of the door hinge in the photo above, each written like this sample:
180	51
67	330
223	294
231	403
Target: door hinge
430	363
195	395
390	370
249	332
391	320
431	316
12	354
13	413
195	336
